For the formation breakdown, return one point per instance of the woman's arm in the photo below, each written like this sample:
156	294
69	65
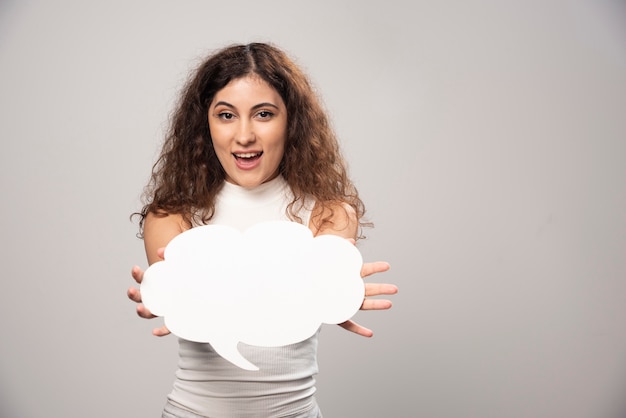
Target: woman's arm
344	223
158	232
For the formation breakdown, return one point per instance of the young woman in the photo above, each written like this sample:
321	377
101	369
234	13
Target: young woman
250	142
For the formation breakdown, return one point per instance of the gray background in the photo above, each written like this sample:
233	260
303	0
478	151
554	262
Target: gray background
488	139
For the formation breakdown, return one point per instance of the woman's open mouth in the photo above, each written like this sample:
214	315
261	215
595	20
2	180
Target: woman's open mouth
247	160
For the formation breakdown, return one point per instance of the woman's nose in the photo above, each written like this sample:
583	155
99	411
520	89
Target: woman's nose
245	134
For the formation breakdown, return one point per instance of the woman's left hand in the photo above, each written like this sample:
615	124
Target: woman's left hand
372	289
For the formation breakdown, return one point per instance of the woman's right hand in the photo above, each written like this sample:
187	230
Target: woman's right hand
134	294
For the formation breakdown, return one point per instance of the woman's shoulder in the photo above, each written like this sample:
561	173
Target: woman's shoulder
336	218
157	220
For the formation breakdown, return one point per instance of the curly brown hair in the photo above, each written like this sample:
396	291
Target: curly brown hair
187	175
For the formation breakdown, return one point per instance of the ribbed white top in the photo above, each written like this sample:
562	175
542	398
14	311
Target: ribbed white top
211	386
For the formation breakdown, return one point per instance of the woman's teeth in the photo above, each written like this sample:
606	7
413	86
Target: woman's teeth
248	155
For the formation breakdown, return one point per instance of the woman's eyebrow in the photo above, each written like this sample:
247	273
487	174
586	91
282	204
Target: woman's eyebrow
264	104
255	107
223	103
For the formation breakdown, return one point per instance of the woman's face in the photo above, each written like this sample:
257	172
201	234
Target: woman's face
248	124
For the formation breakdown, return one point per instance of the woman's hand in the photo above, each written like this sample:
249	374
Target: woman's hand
135	295
372	289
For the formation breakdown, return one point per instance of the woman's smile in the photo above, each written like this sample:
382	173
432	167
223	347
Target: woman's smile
247	160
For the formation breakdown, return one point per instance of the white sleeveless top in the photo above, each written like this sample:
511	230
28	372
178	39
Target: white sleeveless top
208	385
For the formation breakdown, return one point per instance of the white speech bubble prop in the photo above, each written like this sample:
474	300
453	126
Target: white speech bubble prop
272	285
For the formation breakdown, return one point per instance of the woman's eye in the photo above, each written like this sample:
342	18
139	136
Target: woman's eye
265	114
225	115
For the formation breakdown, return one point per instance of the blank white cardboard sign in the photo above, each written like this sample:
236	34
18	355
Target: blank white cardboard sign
271	285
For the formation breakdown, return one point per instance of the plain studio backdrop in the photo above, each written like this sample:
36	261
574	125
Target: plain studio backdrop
488	140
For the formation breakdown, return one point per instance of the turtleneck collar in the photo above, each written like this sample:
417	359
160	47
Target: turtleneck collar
267	190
